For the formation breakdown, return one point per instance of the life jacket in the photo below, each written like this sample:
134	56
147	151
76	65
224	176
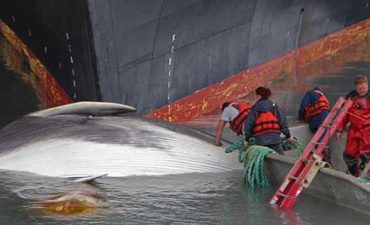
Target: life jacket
266	122
237	124
317	108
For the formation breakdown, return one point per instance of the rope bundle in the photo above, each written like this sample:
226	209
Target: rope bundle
253	158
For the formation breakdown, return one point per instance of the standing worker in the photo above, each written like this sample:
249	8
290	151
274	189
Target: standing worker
234	113
358	136
265	122
314	109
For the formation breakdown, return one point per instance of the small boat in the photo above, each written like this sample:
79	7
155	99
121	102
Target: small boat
332	184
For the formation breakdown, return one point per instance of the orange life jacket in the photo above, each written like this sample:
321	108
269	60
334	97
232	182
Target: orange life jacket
317	108
237	124
266	122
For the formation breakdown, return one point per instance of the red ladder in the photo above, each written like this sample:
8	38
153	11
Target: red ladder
309	163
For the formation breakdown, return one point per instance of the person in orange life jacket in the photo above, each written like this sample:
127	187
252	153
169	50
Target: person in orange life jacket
358	136
235	114
265	122
314	109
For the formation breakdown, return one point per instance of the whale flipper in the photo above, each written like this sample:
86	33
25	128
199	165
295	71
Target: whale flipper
85	108
86	179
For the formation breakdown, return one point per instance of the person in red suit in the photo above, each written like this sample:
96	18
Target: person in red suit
358	136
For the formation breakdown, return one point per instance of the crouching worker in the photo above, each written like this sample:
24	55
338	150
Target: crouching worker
358	136
314	109
265	122
234	113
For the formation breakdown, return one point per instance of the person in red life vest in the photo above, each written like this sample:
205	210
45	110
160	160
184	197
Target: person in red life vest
265	122
234	113
358	136
314	109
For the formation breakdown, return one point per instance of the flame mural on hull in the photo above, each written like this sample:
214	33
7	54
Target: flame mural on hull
21	60
207	100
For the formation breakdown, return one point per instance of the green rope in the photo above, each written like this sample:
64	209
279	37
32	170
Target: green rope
253	162
252	159
295	145
239	145
298	146
254	173
363	180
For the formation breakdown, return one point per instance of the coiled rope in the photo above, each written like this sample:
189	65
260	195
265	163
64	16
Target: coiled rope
253	158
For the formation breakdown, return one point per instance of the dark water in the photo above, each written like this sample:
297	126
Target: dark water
182	199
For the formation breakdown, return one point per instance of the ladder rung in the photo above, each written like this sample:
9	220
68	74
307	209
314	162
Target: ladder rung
320	143
306	161
293	177
317	143
284	195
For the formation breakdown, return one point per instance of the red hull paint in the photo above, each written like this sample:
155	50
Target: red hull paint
206	100
46	87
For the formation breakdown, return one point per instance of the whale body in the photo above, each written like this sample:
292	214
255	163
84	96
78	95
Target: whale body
89	138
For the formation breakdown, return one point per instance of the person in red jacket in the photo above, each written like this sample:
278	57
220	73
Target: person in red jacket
234	113
358	136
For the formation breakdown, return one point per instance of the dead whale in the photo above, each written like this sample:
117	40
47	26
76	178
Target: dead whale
90	138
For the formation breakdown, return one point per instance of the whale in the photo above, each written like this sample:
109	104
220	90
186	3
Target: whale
92	138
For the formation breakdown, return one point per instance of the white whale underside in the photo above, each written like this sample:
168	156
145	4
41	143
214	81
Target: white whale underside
69	158
116	146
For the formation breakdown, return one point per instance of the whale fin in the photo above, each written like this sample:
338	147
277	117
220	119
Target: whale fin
85	108
86	179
